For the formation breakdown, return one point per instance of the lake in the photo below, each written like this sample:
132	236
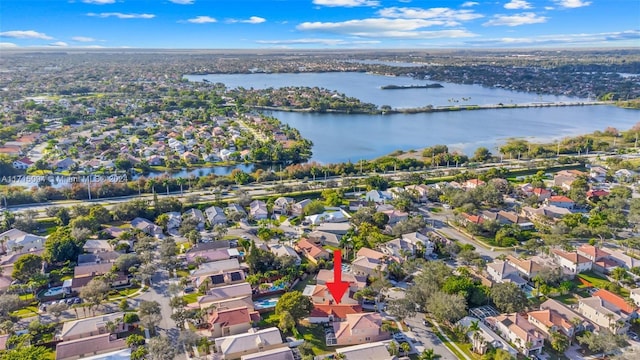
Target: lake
366	87
344	137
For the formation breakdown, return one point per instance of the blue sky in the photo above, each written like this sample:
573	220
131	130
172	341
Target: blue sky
326	24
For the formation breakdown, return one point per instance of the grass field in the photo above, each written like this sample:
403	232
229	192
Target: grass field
314	335
598	281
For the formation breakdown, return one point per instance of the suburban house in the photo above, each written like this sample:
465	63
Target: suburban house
357	329
355	282
197	215
280	250
235	346
282	353
147	227
579	322
624	175
324	238
489	337
541	193
367	266
519	331
395	216
564	178
622	259
527	268
85	347
408	245
97	325
22	164
16	242
607	310
226	297
298	208
215	215
560	201
598	173
572	263
320	294
236	208
225	322
378	196
221	270
282	205
325	313
503	272
369	351
634	294
258	210
548	321
195	255
472	184
600	258
312	251
545	213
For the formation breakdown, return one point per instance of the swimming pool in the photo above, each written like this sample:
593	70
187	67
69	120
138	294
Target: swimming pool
528	290
266	303
53	291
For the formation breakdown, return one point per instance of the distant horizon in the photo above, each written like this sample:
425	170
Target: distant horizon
320	24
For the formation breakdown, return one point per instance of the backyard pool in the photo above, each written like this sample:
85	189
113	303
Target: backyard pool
528	290
53	291
267	303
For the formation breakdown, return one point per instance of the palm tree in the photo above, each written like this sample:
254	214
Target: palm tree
428	354
619	274
181	181
405	347
151	183
165	182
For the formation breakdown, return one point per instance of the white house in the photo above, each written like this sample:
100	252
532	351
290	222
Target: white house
215	215
571	263
22	164
258	210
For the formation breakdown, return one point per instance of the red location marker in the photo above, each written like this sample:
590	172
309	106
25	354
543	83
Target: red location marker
337	288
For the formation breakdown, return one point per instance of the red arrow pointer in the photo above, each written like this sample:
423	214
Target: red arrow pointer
337	288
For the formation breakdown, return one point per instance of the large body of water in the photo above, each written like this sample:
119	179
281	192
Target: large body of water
343	137
366	87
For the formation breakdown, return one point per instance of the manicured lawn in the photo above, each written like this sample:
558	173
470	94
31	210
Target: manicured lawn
599	282
568	299
182	273
123	292
269	319
25	312
191	298
314	335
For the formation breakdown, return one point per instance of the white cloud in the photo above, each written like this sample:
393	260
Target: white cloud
571	4
469	4
6	45
517	4
448	16
202	20
346	3
59	44
516	20
99	2
25	34
83	39
251	20
122	15
182	2
386	28
549	8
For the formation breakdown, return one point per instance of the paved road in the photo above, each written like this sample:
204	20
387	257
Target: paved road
440	222
426	339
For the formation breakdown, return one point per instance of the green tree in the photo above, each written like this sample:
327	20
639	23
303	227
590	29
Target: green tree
296	304
26	353
286	322
447	307
61	246
95	292
559	342
27	266
508	297
313	207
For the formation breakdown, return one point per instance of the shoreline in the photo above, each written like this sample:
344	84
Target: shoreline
430	108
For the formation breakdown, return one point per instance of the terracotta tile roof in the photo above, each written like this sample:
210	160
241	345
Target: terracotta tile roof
550	317
339	311
527	265
231	317
541	191
372	254
593	251
573	257
473	218
559	198
310	248
614	299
